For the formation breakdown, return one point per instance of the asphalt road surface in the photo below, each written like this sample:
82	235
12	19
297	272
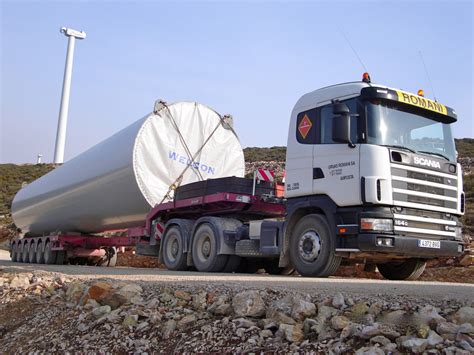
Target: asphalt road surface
415	289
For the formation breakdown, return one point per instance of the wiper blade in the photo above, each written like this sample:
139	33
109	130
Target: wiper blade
434	153
400	147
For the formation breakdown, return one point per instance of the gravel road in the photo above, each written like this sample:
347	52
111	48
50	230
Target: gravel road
412	289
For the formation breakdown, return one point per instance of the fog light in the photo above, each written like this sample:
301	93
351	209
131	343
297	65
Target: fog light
384	242
376	224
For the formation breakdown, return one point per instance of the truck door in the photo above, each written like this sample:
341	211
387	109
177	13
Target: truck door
336	166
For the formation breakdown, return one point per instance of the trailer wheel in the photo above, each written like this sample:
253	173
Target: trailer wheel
50	256
312	247
39	253
110	259
13	252
25	251
32	253
410	269
204	250
173	250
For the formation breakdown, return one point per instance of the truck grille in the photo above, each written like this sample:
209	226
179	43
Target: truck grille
427	196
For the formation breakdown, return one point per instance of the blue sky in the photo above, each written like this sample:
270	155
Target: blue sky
250	59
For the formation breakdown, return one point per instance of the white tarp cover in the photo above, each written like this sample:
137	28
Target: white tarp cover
113	184
183	143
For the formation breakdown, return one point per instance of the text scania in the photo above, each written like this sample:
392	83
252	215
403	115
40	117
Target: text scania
195	165
427	162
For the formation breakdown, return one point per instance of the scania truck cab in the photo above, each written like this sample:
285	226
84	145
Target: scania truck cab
371	174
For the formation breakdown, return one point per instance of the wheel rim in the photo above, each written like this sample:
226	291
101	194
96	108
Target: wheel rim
172	248
204	247
309	246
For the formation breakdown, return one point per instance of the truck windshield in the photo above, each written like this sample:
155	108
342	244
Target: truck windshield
392	125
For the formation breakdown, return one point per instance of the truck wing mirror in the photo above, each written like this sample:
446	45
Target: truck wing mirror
341	124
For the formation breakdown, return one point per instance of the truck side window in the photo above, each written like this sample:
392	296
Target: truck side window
307	127
326	117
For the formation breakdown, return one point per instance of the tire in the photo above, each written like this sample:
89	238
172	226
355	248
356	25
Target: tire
312	247
410	269
25	251
50	256
39	253
14	253
174	257
204	250
233	264
110	259
32	252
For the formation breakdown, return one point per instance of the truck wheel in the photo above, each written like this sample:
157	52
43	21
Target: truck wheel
39	253
49	255
312	247
410	269
14	253
173	255
32	253
204	250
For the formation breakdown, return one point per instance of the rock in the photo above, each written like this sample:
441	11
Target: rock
266	333
292	333
466	328
378	329
338	301
434	339
243	323
326	312
348	331
166	297
370	350
415	345
302	309
426	316
466	346
100	311
20	282
130	320
375	309
423	331
248	304
446	328
200	301
240	332
380	339
183	295
220	306
284	305
339	322
99	290
153	303
358	311
75	291
279	317
186	321
395	317
308	324
268	324
168	328
464	315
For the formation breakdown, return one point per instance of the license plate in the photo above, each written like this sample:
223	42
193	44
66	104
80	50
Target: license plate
423	243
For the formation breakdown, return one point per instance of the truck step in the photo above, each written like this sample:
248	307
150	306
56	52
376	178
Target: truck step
249	248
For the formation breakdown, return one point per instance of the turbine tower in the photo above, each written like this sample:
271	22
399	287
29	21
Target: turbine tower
63	111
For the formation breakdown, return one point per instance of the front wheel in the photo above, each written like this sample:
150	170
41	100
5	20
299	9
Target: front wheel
410	269
312	247
173	250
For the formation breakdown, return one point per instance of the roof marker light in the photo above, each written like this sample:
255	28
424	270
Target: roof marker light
366	78
421	93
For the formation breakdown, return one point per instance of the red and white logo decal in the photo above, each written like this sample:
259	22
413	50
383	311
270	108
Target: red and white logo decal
160	228
305	126
265	175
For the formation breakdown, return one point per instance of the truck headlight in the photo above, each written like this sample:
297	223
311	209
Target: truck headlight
376	224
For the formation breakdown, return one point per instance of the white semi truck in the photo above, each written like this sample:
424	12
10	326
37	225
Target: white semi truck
371	176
